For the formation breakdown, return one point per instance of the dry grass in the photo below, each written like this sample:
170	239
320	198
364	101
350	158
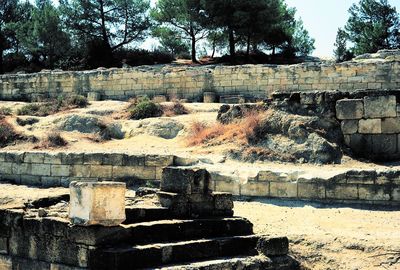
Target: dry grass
7	133
176	108
241	131
53	140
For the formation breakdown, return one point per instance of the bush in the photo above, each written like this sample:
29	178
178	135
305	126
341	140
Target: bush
76	101
145	109
54	139
138	57
37	109
7	133
5	111
177	108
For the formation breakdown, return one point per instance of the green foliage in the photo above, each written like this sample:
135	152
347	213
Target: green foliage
341	52
75	101
5	111
54	139
145	109
373	25
37	109
171	41
184	17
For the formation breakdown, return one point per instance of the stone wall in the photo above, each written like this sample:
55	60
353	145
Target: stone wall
353	186
371	126
59	169
251	81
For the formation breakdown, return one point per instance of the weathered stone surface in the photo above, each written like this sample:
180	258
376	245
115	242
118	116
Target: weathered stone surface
369	126
384	144
93	96
185	181
97	203
254	189
373	193
361	144
311	190
273	246
379	107
347	109
349	126
160	98
391	125
342	192
283	189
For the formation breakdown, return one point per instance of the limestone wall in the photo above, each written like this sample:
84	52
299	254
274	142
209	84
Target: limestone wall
252	81
59	169
371	126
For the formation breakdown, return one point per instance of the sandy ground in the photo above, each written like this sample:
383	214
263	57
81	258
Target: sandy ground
330	236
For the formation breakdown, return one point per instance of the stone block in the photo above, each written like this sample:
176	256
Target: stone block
361	177
384	144
60	170
228	186
14	157
113	159
159	161
133	160
72	159
41	169
80	171
93	159
223	201
361	144
342	192
373	193
177	204
97	203
93	96
283	189
348	109
50	181
396	194
349	126
380	107
6	168
53	158
273	246
101	171
369	126
185	181
311	190
255	189
31	180
391	125
139	172
31	157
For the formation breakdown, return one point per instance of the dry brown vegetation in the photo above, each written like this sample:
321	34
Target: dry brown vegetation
53	140
241	131
176	108
7	133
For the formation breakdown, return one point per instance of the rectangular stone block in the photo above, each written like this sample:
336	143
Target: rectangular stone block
349	126
41	169
391	125
50	181
186	181
97	203
31	180
373	193
6	167
93	158
227	186
3	245
60	170
369	126
255	189
384	144
361	144
380	107
101	171
311	190
159	161
80	171
139	172
31	157
342	192
347	109
283	189
53	158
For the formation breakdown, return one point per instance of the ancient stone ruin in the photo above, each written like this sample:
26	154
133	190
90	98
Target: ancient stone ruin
184	225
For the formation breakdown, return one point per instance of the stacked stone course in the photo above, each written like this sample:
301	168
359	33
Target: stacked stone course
251	81
371	126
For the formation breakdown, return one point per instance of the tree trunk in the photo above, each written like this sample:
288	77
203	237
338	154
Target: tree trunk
194	60
231	43
273	50
248	46
1	61
103	26
213	50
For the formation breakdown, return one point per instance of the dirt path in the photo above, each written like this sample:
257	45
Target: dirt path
330	236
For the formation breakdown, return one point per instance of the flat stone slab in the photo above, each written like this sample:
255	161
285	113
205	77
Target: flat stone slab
97	203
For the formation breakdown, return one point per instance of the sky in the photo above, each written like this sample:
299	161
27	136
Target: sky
322	18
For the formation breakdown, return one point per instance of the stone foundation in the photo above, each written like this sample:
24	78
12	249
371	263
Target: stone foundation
251	81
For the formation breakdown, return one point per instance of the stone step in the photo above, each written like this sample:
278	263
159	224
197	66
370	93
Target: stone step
181	230
158	254
143	214
257	262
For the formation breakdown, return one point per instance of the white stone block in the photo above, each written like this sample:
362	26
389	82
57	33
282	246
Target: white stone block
97	203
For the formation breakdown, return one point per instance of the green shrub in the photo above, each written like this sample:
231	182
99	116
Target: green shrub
145	109
76	101
5	111
54	139
176	108
37	109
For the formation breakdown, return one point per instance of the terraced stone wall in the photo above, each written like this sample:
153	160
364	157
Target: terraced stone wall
59	169
251	81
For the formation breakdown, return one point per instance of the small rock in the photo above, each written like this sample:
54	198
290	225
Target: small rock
42	212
